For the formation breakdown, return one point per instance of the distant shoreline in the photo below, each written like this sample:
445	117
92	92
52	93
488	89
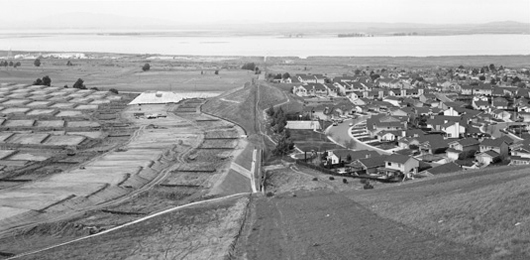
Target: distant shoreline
408	61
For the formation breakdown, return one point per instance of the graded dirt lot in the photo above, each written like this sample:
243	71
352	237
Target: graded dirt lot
199	232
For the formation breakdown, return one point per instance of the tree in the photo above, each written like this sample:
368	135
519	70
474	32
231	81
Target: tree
285	145
37	62
348	158
65	86
278	76
113	90
37	82
17	64
11	63
146	67
249	66
69	63
286	75
492	67
216	72
270	111
79	84
482	77
46	81
357	72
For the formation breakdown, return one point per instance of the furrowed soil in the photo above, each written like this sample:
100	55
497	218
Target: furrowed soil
198	232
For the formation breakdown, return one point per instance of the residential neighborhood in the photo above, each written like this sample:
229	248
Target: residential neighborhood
418	123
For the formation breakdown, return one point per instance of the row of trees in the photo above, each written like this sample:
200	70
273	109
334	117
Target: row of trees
251	66
46	81
278	122
10	64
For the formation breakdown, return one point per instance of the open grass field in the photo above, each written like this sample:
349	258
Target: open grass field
486	208
125	74
308	140
306	219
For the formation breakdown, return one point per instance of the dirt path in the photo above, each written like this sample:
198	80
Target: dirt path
325	225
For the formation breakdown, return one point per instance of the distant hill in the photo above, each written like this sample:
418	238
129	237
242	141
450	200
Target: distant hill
90	21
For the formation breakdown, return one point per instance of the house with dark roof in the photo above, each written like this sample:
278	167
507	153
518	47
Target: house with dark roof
444	168
397	164
488	157
500	103
347	156
467	145
370	165
521	149
498	145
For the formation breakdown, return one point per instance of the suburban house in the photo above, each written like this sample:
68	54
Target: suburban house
480	104
303	78
370	165
387	136
453	129
501	114
444	168
488	157
348	156
499	103
303	125
466	145
499	145
397	164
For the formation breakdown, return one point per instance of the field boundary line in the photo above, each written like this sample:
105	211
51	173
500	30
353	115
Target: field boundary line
131	223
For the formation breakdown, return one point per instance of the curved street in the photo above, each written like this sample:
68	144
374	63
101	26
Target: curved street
339	134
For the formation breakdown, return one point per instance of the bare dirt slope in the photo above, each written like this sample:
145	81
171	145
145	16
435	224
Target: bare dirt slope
198	232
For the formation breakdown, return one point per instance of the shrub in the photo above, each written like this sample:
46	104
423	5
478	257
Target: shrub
269	194
344	181
113	90
315	179
146	67
331	178
368	186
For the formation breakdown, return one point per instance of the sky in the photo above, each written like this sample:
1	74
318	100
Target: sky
201	11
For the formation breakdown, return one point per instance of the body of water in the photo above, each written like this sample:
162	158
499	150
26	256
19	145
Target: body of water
417	46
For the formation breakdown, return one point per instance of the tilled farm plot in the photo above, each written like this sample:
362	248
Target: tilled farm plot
82	124
39	104
70	140
16	102
69	113
321	225
93	135
50	123
27	138
41	112
219	144
219	134
18	123
15	110
203	231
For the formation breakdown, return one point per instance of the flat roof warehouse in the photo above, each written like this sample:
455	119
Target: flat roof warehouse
163	97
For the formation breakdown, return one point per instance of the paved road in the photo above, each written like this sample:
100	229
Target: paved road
494	130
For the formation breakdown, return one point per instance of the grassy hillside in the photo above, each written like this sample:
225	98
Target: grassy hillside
243	106
486	208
